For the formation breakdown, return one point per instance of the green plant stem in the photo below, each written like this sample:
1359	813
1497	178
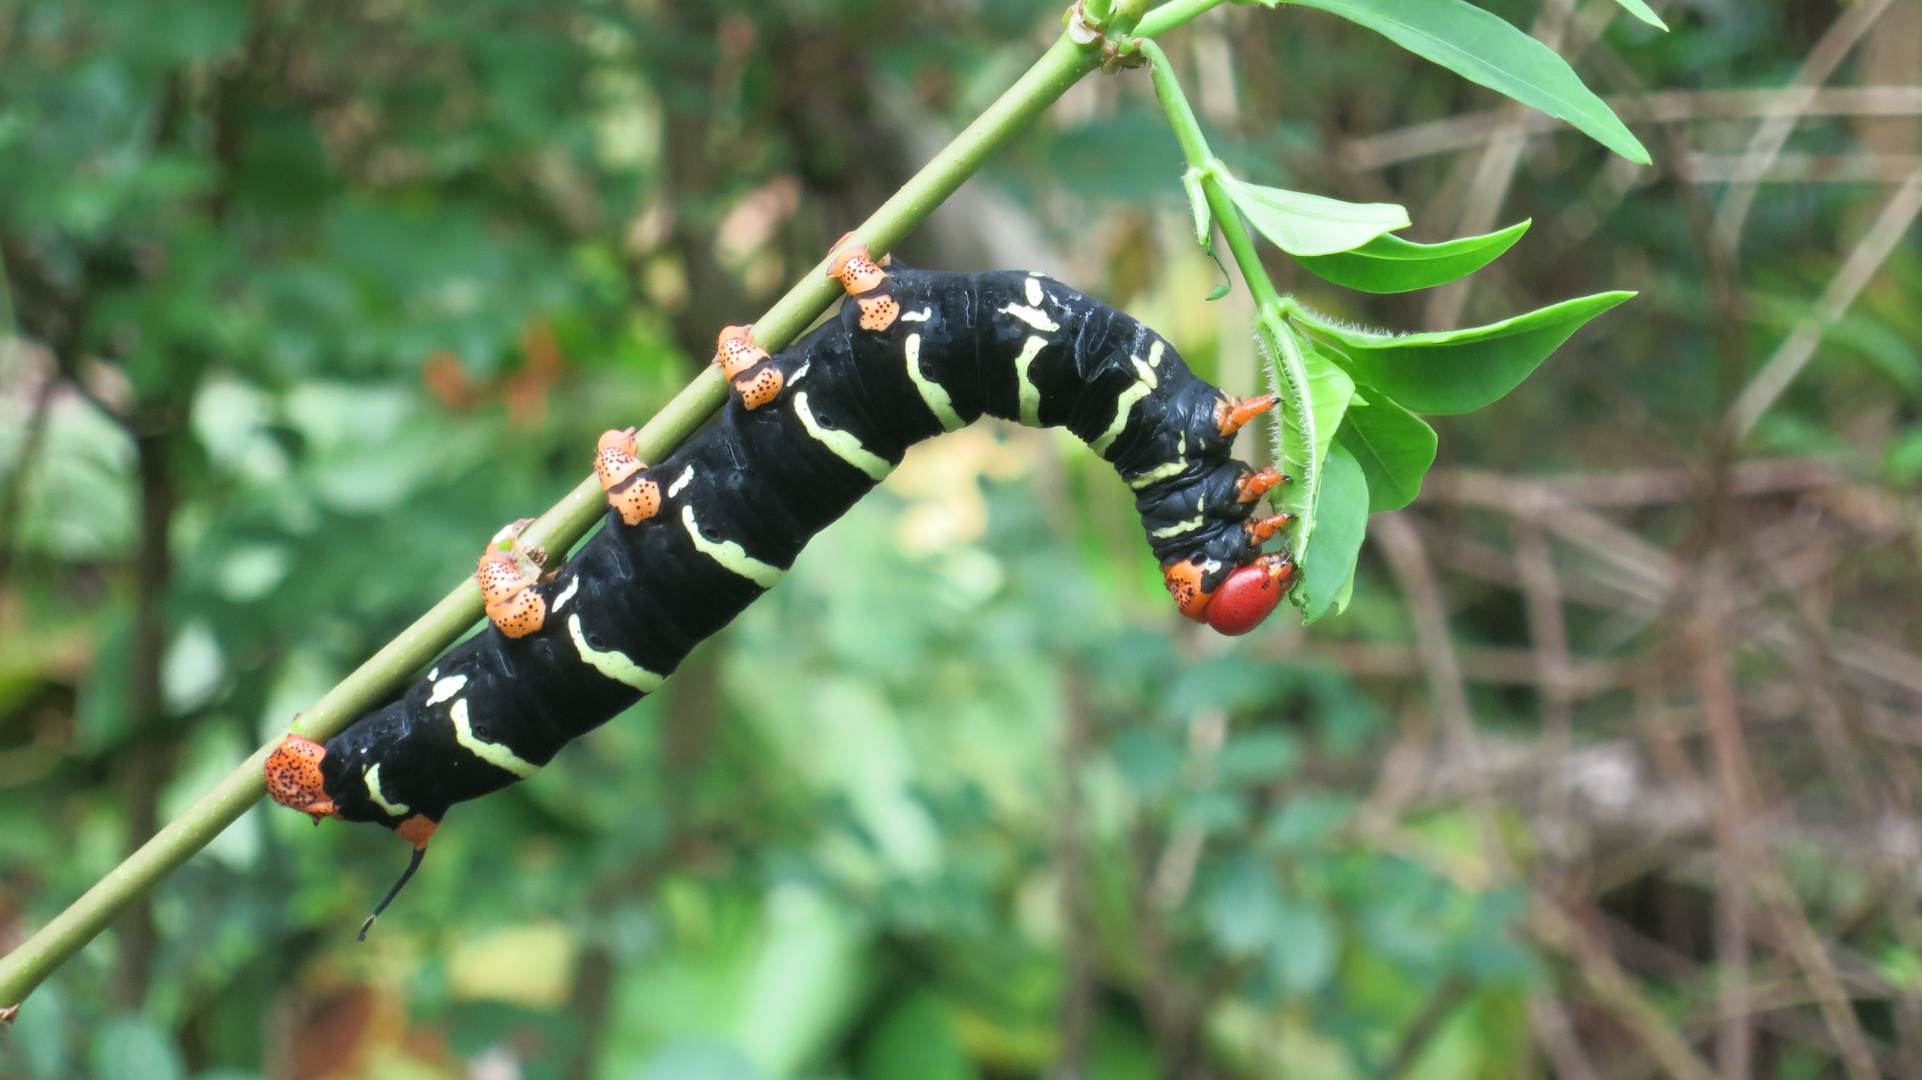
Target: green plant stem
1202	162
1271	307
561	526
1170	15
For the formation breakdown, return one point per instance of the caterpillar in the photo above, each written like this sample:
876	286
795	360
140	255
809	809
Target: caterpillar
690	541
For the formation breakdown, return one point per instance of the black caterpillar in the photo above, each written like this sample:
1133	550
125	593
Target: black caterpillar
692	541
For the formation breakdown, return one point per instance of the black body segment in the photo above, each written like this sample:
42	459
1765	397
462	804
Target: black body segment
746	493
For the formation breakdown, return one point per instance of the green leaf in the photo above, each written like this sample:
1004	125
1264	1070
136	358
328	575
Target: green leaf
1303	224
1456	371
1314	393
1342	517
1485	48
133	1046
1307	944
916	1041
1394	446
1244	908
1198	203
1389	264
1643	12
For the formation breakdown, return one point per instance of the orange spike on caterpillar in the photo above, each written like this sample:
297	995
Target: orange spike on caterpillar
507	574
740	361
630	491
616	457
294	779
857	270
878	312
761	387
735	352
1256	484
1260	532
1234	413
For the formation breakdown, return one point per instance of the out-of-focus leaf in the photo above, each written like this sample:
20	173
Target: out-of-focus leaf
193	669
1393	446
1902	461
530	965
916	1041
1223	683
1389	264
1483	47
1901	967
1122	155
1457	371
1244	909
771	980
803	983
40	1034
133	1046
1214	811
1305	945
1305	821
1148	760
700	1059
1888	349
1258	756
1303	224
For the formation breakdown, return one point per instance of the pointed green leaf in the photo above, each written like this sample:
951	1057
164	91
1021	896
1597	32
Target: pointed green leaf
1484	47
1643	12
1314	393
1394	446
1456	371
1303	224
1389	264
1342	515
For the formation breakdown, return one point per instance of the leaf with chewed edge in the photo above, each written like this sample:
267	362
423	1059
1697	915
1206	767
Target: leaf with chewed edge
1342	514
1394	447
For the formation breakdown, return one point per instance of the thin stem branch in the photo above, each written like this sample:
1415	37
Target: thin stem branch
1194	150
566	522
1271	308
1734	1044
1799	347
1173	14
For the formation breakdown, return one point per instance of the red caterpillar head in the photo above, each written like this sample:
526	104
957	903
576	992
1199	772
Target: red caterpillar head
1241	602
294	780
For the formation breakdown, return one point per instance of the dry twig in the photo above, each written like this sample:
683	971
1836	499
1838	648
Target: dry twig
1796	350
1789	106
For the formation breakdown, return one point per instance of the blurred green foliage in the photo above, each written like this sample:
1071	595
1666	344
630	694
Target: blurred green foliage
337	288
